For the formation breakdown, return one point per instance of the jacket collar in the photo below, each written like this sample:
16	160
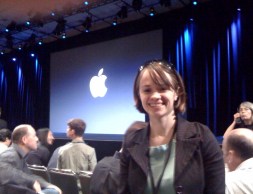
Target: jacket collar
187	140
139	151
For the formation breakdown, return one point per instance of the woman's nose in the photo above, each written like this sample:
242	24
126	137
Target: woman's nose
156	95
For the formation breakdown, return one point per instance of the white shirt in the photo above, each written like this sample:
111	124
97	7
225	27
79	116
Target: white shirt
240	181
3	147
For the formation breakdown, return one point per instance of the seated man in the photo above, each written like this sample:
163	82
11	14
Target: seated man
76	155
237	148
13	167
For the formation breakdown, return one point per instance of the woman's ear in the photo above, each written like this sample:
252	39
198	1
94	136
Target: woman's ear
175	97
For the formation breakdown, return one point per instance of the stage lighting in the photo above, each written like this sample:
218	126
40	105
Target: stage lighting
20	47
11	26
123	12
40	42
137	4
115	21
165	3
87	24
152	11
60	27
63	35
194	2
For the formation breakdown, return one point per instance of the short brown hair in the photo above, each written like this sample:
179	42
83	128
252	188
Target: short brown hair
157	70
78	125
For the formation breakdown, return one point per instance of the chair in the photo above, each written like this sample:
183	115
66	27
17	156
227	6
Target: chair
40	171
66	180
84	177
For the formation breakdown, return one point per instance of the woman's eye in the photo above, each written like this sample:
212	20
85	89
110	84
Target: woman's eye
162	89
147	90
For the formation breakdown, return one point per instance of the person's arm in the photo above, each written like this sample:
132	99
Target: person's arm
232	125
11	171
92	160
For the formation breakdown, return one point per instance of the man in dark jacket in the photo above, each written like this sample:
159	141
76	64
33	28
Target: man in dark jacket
13	167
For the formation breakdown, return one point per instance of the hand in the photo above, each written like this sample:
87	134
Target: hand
236	115
56	188
36	187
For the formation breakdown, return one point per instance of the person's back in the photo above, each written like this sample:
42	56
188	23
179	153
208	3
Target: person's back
105	177
76	156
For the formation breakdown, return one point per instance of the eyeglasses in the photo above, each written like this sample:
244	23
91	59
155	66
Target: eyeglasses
160	62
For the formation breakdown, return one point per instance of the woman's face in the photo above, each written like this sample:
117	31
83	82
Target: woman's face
50	138
157	100
245	113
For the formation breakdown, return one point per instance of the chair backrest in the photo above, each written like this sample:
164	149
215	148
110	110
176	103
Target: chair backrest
40	171
66	180
84	177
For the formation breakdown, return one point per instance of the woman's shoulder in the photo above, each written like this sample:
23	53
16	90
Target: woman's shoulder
136	135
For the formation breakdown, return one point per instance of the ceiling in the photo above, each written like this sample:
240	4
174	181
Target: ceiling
15	13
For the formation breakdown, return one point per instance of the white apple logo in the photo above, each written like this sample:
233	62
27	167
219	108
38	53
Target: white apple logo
97	85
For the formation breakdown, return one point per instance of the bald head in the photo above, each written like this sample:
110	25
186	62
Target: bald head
238	147
25	136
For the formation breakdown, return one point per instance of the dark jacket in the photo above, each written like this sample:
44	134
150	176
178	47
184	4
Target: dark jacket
105	177
199	166
14	169
39	157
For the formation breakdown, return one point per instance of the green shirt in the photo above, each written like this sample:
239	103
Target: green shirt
157	157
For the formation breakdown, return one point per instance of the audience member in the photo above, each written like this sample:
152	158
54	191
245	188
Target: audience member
237	148
170	155
41	156
3	123
54	158
243	118
13	167
105	177
77	155
5	139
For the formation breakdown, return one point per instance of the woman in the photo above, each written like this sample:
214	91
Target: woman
243	118
171	155
41	156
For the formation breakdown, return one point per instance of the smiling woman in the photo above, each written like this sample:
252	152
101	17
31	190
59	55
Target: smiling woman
170	155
